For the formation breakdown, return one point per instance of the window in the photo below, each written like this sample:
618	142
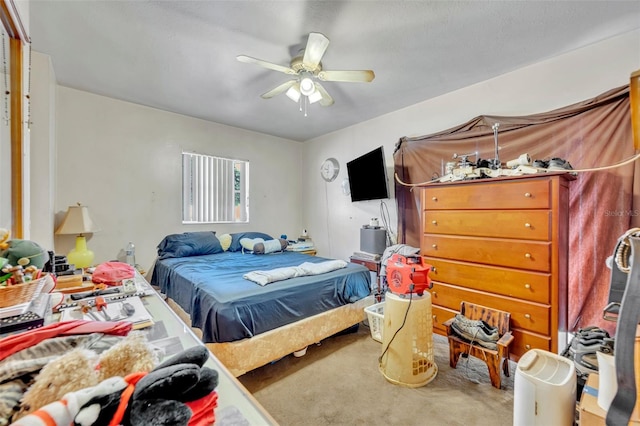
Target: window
214	189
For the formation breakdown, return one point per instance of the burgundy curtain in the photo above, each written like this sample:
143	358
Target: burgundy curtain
603	204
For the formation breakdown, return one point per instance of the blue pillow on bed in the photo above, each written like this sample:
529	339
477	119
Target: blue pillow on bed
189	244
235	239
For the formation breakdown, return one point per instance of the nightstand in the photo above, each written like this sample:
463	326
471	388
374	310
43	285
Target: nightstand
311	252
303	246
373	266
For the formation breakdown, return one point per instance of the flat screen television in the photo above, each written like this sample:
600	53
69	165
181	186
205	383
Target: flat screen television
368	176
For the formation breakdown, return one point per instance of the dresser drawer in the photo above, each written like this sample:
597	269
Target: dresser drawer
526	194
524	341
440	316
520	224
531	286
526	315
531	255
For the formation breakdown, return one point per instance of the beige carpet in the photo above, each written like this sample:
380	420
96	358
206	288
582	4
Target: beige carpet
338	383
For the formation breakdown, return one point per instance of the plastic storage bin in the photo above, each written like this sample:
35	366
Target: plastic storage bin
544	390
375	315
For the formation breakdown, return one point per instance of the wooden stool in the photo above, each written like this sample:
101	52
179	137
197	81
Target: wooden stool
493	358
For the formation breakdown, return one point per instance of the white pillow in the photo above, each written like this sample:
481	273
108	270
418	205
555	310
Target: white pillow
248	243
260	246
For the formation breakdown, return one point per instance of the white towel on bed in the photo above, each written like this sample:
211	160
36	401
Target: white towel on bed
310	268
278	274
307	268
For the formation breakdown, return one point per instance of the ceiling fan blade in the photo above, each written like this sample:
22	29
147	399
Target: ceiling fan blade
279	89
326	100
316	46
265	64
361	76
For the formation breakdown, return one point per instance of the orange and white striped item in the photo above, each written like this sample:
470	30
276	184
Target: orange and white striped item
64	412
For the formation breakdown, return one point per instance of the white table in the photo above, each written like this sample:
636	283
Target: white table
235	404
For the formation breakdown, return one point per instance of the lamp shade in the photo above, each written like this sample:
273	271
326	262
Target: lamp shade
306	86
293	93
77	221
315	97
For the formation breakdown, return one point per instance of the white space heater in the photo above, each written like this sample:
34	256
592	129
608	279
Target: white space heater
544	390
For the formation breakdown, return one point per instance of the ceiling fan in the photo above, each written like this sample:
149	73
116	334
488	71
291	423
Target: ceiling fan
307	69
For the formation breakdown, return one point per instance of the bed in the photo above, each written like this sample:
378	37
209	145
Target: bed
245	324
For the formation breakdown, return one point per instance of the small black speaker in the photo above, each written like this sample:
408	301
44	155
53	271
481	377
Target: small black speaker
51	263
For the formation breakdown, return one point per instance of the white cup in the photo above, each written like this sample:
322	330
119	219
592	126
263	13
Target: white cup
608	383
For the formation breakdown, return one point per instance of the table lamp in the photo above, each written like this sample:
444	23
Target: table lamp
78	221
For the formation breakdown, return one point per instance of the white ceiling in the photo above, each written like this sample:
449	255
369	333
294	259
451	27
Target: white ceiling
180	56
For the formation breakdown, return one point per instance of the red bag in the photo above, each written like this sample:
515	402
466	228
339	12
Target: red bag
112	273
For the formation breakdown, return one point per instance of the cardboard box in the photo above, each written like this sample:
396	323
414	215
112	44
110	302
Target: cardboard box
67	281
590	412
589	408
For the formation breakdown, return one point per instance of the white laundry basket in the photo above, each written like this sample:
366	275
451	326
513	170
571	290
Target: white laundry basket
375	315
544	390
407	357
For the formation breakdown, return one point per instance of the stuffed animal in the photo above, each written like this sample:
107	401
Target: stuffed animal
173	393
24	252
16	273
160	396
82	368
64	411
4	238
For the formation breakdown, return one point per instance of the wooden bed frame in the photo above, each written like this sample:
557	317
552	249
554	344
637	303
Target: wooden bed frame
245	355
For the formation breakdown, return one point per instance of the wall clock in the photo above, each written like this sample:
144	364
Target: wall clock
329	169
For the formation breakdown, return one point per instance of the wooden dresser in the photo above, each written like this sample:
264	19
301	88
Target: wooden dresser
501	243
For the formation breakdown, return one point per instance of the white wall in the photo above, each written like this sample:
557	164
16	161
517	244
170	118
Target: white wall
124	161
43	151
334	221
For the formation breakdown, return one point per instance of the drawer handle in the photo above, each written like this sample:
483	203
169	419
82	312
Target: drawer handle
434	269
435	246
434	294
527	194
435	222
434	198
527	286
527	225
527	255
527	346
527	316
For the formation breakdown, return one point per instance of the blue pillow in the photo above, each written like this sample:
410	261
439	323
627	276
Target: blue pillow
235	239
189	244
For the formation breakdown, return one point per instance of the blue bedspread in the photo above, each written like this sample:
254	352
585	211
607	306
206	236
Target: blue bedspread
227	307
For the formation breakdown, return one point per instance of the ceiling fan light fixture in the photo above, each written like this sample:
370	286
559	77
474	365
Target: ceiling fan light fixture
307	87
315	97
293	94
